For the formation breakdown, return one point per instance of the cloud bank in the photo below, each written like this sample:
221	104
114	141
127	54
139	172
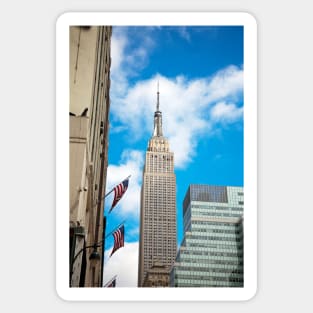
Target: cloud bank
119	264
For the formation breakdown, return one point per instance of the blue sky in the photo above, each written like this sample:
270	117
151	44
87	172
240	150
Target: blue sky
200	74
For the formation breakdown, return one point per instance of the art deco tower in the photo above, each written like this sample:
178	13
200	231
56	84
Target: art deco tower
157	246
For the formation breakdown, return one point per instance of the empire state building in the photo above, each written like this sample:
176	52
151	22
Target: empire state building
157	245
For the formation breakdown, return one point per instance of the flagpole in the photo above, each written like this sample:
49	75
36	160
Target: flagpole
110	281
104	229
115	229
97	202
104	237
116	185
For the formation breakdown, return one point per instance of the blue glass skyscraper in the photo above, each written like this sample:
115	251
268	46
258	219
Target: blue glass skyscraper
211	253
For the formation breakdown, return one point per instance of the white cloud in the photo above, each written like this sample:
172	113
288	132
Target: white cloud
118	43
226	112
128	59
131	164
226	82
120	263
118	76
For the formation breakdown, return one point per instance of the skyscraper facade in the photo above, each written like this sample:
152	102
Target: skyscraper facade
157	245
89	86
211	253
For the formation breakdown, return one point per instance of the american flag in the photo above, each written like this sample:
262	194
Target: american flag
118	239
119	191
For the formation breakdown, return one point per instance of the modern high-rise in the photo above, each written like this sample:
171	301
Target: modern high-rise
89	86
211	253
157	245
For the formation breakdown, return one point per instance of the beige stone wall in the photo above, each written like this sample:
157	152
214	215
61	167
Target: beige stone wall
83	43
157	276
78	166
89	84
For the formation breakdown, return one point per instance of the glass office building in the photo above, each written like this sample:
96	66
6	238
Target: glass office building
211	253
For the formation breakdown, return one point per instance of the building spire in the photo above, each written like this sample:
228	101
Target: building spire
158	117
158	100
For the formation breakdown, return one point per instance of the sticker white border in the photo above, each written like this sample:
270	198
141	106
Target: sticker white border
250	155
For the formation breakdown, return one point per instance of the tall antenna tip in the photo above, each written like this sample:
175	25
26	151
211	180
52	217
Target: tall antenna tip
158	93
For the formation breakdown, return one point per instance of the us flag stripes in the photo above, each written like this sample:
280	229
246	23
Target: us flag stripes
119	191
118	239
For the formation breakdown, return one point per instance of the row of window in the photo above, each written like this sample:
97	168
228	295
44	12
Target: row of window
221	262
181	283
207	272
216	224
238	253
227	277
209	236
211	254
217	215
201	283
198	228
214	208
203	239
221	251
216	261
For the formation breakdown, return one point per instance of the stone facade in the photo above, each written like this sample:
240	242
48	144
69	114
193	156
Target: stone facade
89	84
157	276
158	205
